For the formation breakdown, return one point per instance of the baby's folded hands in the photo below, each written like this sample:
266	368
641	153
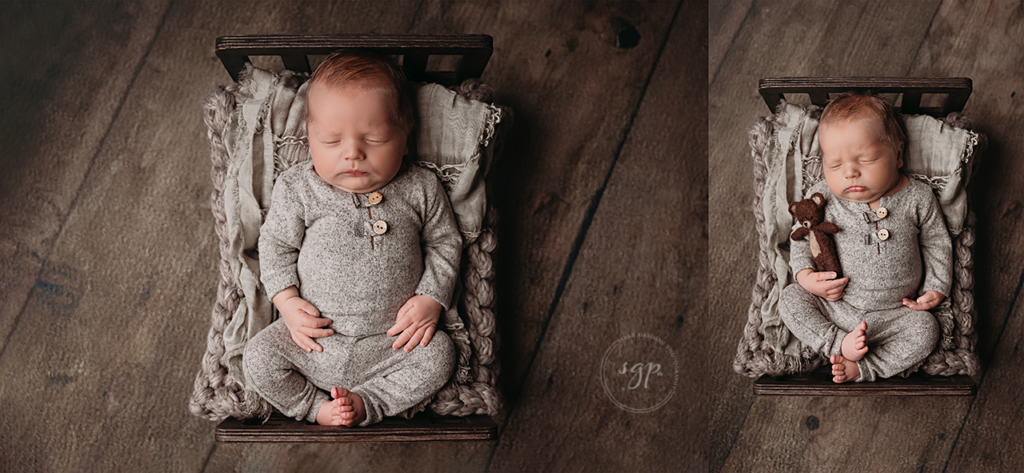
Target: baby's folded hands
416	322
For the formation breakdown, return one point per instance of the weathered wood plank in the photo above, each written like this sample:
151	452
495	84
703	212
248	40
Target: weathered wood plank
138	247
796	38
990	437
62	85
958	33
847	434
641	270
724	20
573	90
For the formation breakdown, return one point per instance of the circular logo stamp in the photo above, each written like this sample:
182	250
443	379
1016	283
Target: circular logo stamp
639	372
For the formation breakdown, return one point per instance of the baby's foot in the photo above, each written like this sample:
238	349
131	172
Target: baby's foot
345	409
853	346
843	369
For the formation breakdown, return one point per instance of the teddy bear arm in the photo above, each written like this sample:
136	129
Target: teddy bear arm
827	227
800	233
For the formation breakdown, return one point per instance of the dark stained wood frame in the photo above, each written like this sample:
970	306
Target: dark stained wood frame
234	52
958	90
819	383
423	427
294	50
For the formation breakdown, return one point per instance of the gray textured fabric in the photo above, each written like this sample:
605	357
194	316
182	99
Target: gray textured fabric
390	382
883	272
899	339
915	257
319	239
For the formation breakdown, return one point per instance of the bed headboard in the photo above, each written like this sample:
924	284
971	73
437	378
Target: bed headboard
942	95
467	55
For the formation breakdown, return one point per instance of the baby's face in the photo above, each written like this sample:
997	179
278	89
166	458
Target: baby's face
858	165
354	142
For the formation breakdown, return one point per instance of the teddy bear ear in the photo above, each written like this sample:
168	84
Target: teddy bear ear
817	198
792	208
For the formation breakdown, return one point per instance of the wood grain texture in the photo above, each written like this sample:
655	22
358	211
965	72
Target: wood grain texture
421	428
819	383
725	17
847	434
139	249
109	342
778	39
957	34
974	40
640	270
573	91
55	114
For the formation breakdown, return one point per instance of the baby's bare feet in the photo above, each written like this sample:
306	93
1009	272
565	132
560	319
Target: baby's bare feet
843	369
345	409
853	346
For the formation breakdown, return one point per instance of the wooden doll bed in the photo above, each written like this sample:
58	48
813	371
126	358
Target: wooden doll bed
954	361
467	406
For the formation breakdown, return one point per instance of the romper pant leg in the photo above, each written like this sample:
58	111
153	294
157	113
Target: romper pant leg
393	381
389	381
273	365
897	339
812	320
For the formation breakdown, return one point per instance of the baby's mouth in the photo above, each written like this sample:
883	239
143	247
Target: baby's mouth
856	189
354	173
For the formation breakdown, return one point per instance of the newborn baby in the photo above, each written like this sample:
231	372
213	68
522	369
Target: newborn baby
893	247
358	247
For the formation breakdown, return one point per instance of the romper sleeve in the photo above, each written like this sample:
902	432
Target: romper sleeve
936	246
281	236
442	246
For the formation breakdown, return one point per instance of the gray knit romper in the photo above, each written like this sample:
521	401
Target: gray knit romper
901	251
357	258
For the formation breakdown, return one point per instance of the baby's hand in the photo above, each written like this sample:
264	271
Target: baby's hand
302	319
928	301
822	284
416	322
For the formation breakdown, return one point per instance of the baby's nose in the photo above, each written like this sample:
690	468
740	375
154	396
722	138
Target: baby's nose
353	152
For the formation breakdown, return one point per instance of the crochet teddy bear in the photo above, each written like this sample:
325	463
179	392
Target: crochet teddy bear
810	213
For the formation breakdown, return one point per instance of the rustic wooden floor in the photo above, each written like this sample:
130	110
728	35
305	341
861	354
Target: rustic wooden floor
751	39
108	257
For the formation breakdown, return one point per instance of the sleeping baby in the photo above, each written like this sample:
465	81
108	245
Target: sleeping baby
893	248
358	247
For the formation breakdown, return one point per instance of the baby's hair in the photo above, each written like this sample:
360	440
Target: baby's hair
852	104
346	67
